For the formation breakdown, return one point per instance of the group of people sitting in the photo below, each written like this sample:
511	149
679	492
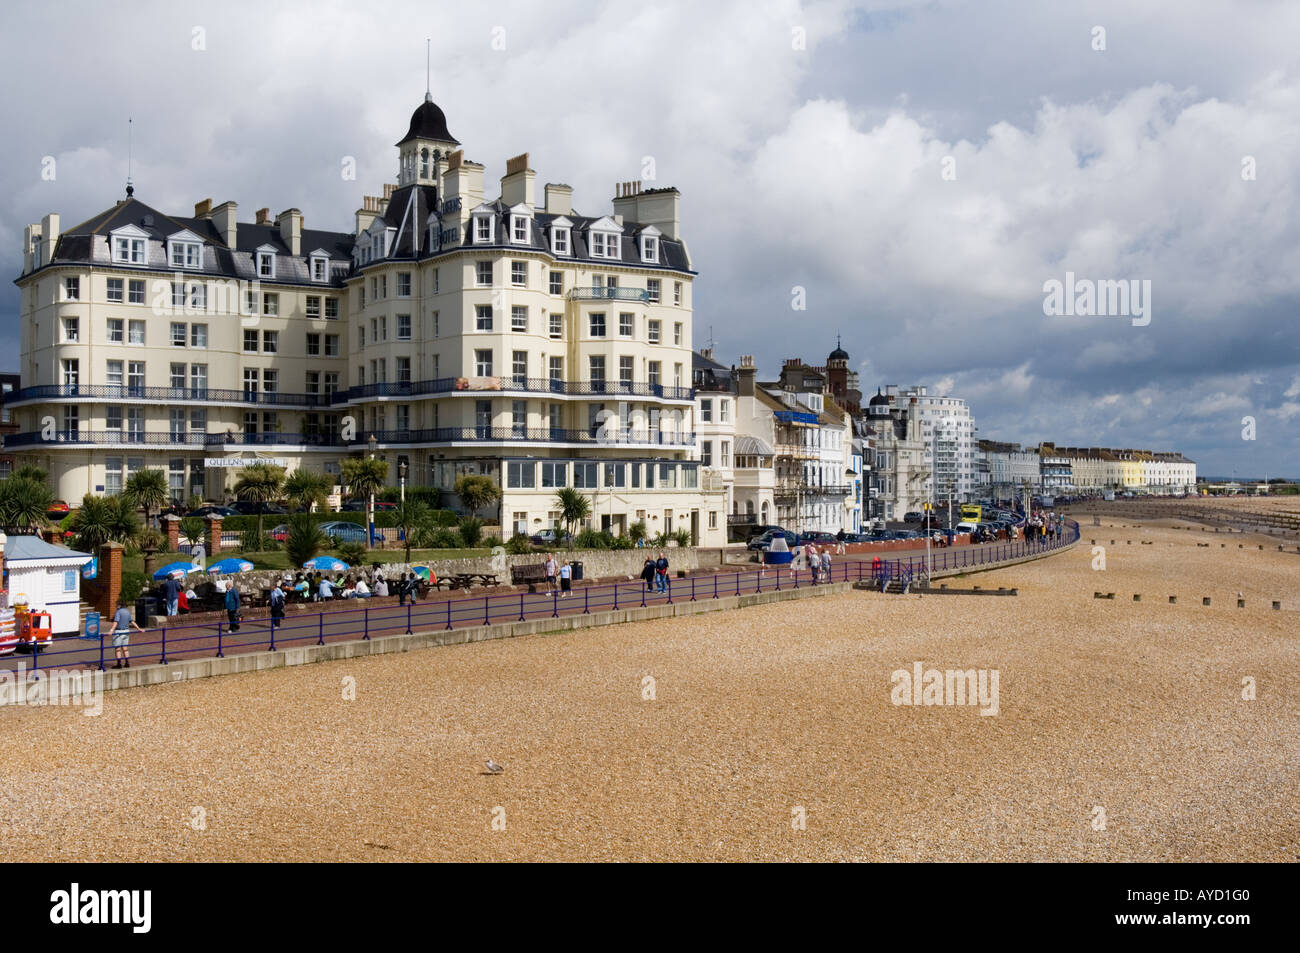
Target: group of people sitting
319	587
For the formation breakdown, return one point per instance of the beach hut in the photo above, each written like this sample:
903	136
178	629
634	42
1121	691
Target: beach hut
49	576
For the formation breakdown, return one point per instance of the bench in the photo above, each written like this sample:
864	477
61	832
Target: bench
532	576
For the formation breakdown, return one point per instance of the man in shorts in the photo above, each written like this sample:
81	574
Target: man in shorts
121	633
552	568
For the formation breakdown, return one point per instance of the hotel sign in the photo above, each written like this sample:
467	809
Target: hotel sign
217	462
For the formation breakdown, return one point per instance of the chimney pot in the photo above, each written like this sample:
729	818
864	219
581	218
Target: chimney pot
263	216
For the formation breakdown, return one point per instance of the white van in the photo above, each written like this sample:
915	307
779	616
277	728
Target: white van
965	527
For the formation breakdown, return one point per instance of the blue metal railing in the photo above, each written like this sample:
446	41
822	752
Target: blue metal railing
208	639
609	294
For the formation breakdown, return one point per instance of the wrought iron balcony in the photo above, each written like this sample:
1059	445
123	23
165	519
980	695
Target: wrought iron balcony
528	385
528	435
188	395
129	438
609	294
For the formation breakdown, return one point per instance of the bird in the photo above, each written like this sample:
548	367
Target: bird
493	767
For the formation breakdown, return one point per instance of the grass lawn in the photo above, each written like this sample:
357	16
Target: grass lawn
278	560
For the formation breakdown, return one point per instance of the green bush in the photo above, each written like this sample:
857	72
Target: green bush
133	583
471	531
518	545
250	542
430	496
592	539
622	542
444	539
352	553
683	537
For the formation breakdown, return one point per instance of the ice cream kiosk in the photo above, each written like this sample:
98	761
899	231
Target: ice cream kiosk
42	584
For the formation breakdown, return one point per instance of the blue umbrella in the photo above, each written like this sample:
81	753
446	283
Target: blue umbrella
325	564
230	565
172	568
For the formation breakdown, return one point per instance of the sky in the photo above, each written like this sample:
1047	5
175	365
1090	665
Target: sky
911	176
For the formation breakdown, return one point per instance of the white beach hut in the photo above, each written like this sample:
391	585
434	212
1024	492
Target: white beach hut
49	576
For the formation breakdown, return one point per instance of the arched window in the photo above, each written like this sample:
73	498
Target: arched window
424	163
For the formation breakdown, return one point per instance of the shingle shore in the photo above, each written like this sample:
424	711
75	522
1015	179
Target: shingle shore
1133	708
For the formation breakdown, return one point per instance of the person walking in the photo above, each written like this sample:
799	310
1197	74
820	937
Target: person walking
552	567
232	607
121	633
648	574
661	572
277	607
566	575
826	564
172	594
814	561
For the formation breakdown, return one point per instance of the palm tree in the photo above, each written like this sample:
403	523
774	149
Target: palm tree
103	519
416	522
31	472
574	507
146	489
364	477
476	492
24	503
260	483
304	539
306	488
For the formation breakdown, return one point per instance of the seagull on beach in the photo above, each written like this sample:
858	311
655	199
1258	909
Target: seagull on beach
493	767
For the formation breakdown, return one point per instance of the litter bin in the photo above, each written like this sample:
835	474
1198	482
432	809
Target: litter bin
146	606
577	570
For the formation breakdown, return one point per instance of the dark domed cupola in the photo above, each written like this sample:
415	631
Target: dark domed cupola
423	151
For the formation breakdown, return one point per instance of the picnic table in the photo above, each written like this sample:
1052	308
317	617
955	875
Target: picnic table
464	580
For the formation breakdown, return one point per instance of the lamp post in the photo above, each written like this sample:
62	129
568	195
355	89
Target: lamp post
401	477
370	511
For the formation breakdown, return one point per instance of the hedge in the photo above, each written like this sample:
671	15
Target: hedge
384	519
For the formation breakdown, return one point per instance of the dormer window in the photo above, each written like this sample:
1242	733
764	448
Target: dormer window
320	267
266	262
561	237
129	245
519	229
604	239
483	229
650	246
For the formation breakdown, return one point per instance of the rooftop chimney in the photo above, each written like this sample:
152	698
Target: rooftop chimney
201	209
559	199
745	375
223	217
290	224
263	216
517	183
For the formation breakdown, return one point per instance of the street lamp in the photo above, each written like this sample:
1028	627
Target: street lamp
370	513
401	476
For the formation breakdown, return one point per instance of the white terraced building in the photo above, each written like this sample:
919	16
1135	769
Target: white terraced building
513	337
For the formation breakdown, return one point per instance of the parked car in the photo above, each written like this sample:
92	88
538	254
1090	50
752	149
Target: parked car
913	517
212	509
818	538
58	510
759	530
247	508
280	533
761	543
550	537
359	506
344	532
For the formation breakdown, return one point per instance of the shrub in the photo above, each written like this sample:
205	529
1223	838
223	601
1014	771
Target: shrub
250	542
471	531
133	583
683	537
637	531
430	496
192	529
591	539
304	540
352	553
622	542
444	539
518	545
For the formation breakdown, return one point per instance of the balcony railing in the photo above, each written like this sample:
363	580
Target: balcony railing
189	395
790	491
609	294
528	435
128	438
441	385
530	385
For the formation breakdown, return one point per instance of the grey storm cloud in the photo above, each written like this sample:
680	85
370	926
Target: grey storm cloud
920	169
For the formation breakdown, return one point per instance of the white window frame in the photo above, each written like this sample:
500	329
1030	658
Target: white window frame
561	237
136	245
479	218
264	258
320	267
520	222
185	251
650	246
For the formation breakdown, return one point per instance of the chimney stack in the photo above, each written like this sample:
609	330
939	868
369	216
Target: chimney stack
559	199
263	216
223	217
517	183
202	209
745	376
290	224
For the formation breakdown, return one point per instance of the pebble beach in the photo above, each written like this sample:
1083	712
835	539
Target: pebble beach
1122	733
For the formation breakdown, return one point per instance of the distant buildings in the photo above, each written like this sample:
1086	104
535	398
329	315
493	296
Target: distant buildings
1048	468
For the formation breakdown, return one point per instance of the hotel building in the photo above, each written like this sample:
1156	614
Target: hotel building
507	337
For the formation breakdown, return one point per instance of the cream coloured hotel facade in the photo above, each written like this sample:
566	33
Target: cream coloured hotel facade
507	336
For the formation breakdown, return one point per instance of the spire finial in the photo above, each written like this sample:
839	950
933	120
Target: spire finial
428	86
130	189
